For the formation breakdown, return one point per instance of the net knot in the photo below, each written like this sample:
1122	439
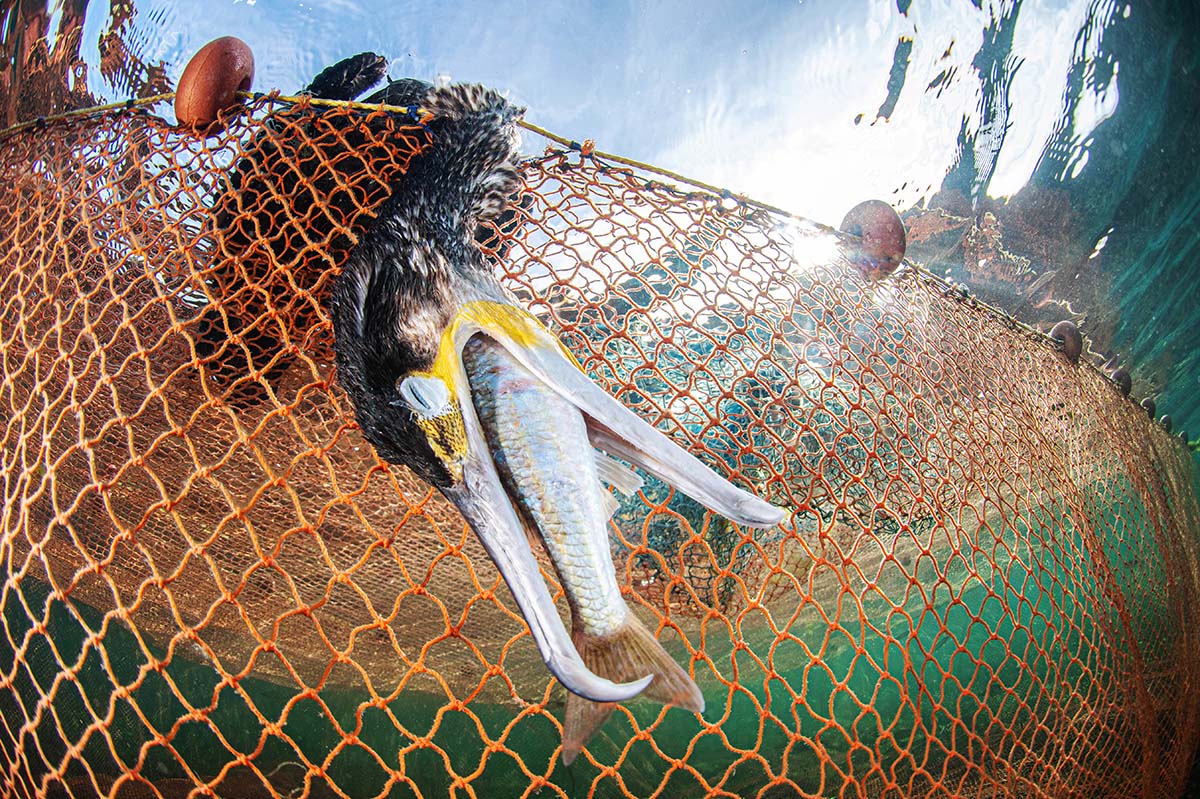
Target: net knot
587	148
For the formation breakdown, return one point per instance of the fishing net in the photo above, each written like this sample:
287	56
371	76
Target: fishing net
986	585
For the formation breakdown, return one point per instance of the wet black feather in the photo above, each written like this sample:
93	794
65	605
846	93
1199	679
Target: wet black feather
349	77
402	284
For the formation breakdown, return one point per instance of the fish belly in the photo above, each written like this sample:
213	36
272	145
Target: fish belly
540	446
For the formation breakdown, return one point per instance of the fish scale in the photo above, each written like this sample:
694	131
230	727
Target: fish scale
540	446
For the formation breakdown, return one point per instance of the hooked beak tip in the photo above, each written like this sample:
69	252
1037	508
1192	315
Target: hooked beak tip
758	513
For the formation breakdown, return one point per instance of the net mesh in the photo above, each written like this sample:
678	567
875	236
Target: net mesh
987	584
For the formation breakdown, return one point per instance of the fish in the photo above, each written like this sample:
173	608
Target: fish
549	470
451	377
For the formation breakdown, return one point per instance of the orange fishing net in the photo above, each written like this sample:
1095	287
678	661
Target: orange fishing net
987	584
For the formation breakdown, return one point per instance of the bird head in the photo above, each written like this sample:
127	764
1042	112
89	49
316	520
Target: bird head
405	283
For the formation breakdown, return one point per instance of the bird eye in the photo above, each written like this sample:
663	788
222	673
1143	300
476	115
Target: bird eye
426	396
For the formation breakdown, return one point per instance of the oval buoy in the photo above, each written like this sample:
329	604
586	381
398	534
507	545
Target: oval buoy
1149	406
1165	421
883	239
211	81
1123	380
1068	337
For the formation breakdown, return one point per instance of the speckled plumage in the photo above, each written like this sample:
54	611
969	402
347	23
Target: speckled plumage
419	261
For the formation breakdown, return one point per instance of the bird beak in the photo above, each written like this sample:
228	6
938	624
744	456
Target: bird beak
448	417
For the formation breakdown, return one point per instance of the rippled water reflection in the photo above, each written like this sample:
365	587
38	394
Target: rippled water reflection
1041	152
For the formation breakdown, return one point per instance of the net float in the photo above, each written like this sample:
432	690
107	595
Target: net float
1123	380
211	82
883	239
1068	337
193	573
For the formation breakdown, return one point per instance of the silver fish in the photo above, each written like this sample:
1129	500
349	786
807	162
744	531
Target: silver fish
545	461
529	423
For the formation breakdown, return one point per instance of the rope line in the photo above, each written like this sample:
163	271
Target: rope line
587	150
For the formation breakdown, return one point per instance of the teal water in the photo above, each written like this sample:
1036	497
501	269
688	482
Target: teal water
961	662
1097	191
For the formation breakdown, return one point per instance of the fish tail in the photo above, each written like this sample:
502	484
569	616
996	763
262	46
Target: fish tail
628	654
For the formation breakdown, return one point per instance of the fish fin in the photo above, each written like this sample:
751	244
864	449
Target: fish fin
583	718
615	429
617	474
631	652
610	504
531	531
